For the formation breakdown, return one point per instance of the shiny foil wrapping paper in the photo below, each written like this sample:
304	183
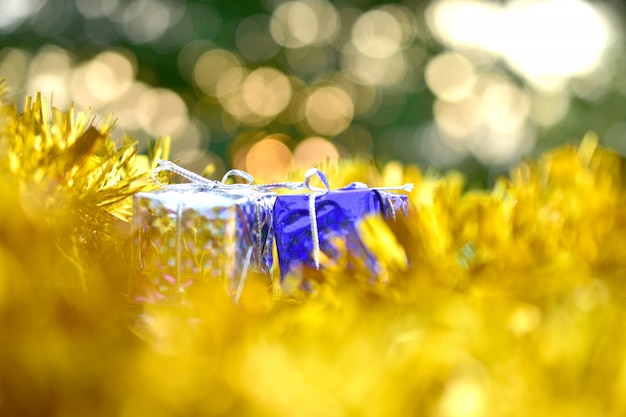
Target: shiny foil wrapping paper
186	236
338	214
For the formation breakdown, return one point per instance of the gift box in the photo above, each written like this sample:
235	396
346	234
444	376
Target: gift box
308	225
186	235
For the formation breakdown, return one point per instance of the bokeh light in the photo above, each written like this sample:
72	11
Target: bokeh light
524	33
211	67
313	151
450	76
14	12
162	112
104	78
13	65
472	84
266	92
269	160
377	34
329	110
295	24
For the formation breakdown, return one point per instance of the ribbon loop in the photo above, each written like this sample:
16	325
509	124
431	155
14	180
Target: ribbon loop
310	174
249	179
191	176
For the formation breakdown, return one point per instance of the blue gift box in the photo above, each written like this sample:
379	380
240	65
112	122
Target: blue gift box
330	215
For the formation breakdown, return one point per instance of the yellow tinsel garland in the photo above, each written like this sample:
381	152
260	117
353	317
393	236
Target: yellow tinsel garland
510	304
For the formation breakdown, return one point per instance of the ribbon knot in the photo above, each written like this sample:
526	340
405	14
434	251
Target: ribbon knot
191	176
238	173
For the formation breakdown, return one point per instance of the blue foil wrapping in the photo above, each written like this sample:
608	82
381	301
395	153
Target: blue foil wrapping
338	214
184	236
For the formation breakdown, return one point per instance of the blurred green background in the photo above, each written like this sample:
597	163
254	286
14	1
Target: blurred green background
270	85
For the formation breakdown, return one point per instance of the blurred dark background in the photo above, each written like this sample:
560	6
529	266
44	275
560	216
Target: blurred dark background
270	85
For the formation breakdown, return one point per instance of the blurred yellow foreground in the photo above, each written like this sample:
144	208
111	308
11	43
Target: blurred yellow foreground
511	304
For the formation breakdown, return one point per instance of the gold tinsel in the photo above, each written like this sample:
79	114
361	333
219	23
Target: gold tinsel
510	303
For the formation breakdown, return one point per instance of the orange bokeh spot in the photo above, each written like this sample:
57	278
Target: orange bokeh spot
313	151
269	160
